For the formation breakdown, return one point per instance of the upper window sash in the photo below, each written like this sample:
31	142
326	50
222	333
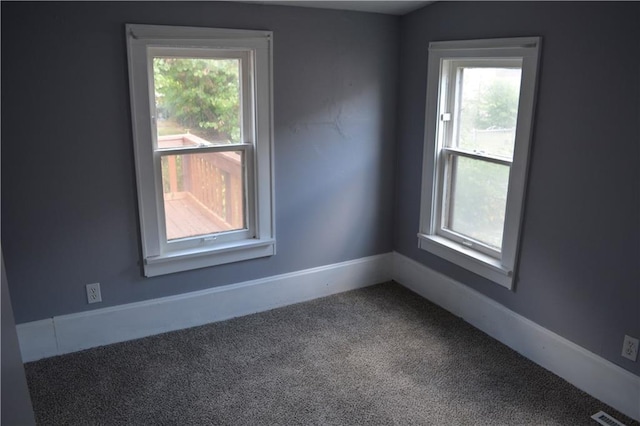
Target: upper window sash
451	73
247	81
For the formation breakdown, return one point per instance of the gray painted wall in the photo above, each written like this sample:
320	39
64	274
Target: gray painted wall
69	204
15	407
69	214
579	269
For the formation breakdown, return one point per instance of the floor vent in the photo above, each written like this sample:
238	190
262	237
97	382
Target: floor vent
605	419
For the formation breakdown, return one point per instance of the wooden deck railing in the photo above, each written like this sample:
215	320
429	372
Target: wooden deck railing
213	180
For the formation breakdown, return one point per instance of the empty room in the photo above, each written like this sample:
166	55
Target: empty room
327	213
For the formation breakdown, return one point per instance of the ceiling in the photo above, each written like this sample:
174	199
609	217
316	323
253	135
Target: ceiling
390	7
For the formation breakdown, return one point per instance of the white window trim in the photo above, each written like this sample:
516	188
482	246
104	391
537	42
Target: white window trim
258	240
500	269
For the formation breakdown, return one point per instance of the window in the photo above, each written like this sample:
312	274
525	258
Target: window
480	103
202	127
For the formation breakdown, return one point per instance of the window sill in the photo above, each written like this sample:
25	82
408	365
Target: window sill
474	261
184	260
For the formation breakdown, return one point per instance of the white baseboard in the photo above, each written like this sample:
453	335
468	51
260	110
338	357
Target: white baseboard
37	339
593	374
69	333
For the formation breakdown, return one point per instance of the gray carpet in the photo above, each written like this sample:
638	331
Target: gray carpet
380	355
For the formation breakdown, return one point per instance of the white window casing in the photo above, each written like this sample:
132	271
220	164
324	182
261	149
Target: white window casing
497	264
256	239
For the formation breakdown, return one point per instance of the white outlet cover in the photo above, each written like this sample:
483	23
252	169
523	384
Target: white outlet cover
630	348
93	293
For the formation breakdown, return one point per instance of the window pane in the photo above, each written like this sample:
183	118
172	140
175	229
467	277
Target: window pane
478	200
488	109
197	101
203	193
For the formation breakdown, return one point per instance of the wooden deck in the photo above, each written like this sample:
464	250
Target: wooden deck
186	217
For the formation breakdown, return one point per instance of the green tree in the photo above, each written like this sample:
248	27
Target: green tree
497	105
200	94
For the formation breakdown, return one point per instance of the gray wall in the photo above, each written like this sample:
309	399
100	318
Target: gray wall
16	403
69	214
69	204
579	262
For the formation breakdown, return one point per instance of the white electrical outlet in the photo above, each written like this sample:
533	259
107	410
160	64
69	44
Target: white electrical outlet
630	348
93	293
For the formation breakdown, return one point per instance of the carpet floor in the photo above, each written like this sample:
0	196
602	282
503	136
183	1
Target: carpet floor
379	356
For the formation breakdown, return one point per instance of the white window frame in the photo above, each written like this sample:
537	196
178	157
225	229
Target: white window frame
257	239
496	265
